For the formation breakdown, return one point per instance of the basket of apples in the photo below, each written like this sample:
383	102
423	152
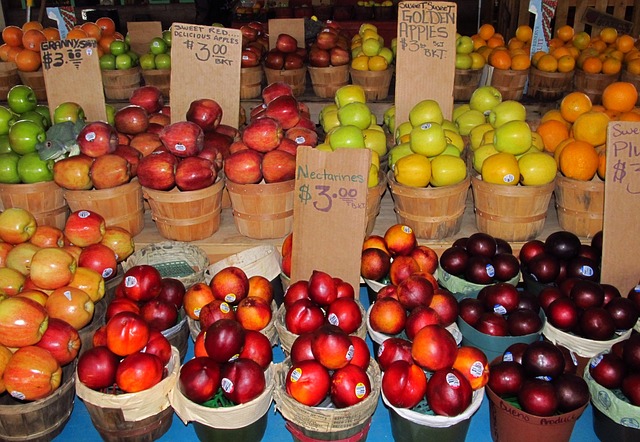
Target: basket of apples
285	63
120	68
255	44
371	62
230	294
125	379
534	389
469	68
310	303
156	63
612	378
329	61
432	387
328	388
260	170
226	389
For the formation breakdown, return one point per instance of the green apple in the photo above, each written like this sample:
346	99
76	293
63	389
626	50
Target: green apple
330	120
426	111
374	120
350	93
135	60
5	146
356	52
459	110
163	61
9	168
7	118
327	108
35	117
375	140
148	61
399	151
449	125
355	114
158	46
373	179
485	98
537	169
376	128
46	114
447	170
107	62
394	47
454	139
388	114
166	36
32	169
387	54
324	147
477	134
127	39
451	150
513	137
118	47
508	110
21	98
347	137
403	130
123	62
111	114
464	45
24	135
428	139
481	154
68	111
478	60
463	61
468	120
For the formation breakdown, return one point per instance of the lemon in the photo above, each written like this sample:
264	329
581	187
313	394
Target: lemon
373	176
537	168
413	170
476	136
375	159
481	154
399	151
501	168
377	63
455	139
360	63
447	170
325	147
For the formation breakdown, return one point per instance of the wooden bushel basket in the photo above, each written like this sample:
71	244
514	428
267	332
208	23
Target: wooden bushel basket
35	80
513	213
262	211
251	82
160	78
580	205
465	82
509	82
8	78
375	83
374	197
186	216
326	81
121	206
41	420
44	200
431	212
593	84
296	78
634	79
549	86
120	84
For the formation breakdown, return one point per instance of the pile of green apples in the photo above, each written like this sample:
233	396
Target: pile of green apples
349	123
120	56
466	56
159	55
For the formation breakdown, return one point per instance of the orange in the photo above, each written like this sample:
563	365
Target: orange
547	63
573	105
581	40
514	43
500	59
76	34
537	56
520	62
554	114
32	38
51	34
105	43
13	52
620	96
28	61
486	31
565	33
524	33
625	43
579	160
602	162
553	132
573	51
559	148
519	51
591	127
608	35
592	65
614	53
485	51
566	63
12	35
555	43
32	25
106	25
631	55
92	30
478	42
4	51
611	66
560	52
629	116
377	63
598	45
495	41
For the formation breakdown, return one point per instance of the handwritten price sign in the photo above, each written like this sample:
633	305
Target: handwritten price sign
205	63
74	62
621	239
323	197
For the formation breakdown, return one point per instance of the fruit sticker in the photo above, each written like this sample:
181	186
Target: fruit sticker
453	380
227	385
296	374
130	281
360	390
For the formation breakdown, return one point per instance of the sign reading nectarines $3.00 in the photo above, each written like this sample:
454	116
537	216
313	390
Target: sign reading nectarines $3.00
205	63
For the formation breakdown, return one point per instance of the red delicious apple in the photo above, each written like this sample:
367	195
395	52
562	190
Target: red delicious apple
244	167
199	379
249	58
131	120
286	43
61	340
339	56
293	61
157	170
132	155
99	258
97	138
206	113
183	139
149	97
72	173
283	109
146	142
278	166
319	58
110	170
274	59
193	173
263	134
302	136
275	90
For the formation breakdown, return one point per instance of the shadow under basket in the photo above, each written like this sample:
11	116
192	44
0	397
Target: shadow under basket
44	200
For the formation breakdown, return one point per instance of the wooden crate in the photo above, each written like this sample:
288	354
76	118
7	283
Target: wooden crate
512	13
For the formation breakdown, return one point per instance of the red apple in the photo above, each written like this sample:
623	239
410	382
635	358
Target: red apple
286	43
22	322
302	136
244	167
84	227
72	173
193	173
72	305
263	134
157	170
275	90
278	166
284	109
62	340
131	120
183	139
206	113
97	138
110	170
293	61
145	143
339	56
149	97
32	373
52	268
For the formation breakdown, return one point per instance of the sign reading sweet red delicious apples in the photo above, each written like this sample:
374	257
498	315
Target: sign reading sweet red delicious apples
329	213
205	63
621	235
141	33
426	55
292	26
74	62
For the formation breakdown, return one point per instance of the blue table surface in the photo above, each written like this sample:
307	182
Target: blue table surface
80	428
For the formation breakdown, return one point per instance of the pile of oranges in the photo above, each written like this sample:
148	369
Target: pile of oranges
21	45
576	133
512	54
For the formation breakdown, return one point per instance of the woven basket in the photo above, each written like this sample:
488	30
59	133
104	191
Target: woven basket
174	259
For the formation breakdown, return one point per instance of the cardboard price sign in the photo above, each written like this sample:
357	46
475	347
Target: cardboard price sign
205	63
76	63
292	26
329	213
141	33
621	236
426	55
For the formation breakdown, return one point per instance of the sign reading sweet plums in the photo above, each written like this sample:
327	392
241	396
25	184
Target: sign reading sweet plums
621	236
329	213
74	62
426	53
205	63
